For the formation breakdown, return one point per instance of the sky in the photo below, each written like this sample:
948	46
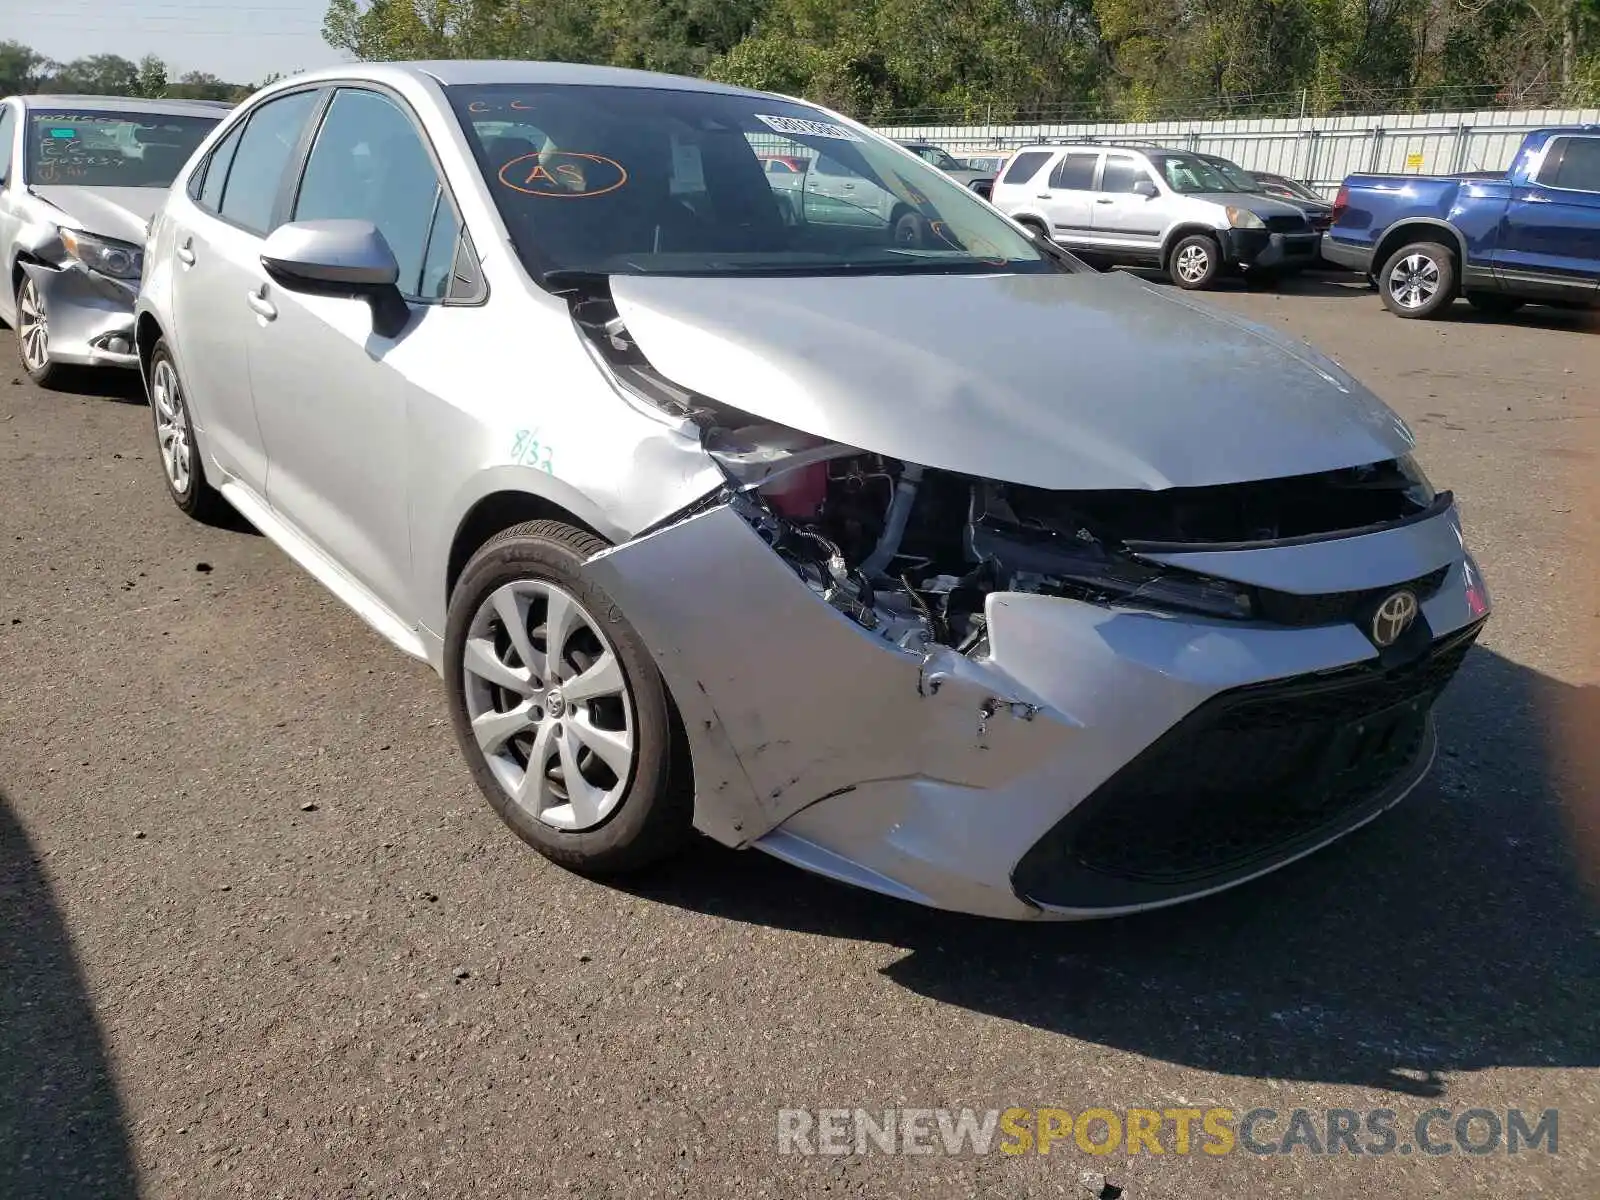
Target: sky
238	40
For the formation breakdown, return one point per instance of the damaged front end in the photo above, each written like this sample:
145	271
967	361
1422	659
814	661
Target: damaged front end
968	661
88	286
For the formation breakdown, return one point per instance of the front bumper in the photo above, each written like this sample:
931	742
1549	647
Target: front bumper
1263	250
1344	254
952	781
90	315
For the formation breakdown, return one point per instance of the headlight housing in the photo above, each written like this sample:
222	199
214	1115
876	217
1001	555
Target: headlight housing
1243	218
116	259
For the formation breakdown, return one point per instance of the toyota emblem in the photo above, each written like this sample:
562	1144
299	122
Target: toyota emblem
1393	618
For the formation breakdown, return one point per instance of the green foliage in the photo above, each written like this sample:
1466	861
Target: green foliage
24	71
980	60
152	79
1129	59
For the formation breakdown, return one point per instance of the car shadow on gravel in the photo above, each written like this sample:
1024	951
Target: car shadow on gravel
1456	933
63	1135
113	384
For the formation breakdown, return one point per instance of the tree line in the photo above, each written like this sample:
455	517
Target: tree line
24	71
978	59
1015	59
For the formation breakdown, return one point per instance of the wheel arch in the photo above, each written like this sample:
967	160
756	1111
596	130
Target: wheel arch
1419	229
1031	220
147	332
1187	229
496	512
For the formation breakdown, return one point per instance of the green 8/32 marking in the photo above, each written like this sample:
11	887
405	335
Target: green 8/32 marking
528	451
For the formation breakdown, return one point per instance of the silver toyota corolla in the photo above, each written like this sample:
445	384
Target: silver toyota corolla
878	537
80	177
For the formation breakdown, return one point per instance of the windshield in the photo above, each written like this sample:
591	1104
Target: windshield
1189	173
1236	175
616	180
1295	188
111	149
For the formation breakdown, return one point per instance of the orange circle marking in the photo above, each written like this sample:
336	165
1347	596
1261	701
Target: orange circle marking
548	166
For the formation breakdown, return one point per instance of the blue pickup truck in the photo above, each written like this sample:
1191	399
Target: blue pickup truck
1531	236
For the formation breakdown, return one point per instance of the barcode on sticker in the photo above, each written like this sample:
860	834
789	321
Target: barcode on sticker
803	128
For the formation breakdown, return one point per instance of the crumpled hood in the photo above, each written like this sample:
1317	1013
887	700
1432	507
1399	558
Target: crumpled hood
114	212
1080	381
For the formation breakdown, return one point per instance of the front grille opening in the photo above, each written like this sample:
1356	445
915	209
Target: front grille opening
1263	510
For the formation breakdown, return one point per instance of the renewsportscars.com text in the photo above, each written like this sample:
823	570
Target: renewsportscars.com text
1209	1131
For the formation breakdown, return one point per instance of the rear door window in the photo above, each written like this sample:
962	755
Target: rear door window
1075	172
265	149
1580	166
1025	166
1121	173
215	173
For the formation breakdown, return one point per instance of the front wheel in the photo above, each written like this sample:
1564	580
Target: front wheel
558	707
1196	262
1419	280
33	335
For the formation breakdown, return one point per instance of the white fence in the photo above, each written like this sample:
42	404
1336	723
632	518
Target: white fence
1319	150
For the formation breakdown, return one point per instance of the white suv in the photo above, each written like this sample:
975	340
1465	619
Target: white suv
1146	206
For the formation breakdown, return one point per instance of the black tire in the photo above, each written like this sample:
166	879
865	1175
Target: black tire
1204	271
195	496
1495	304
46	374
905	227
1406	280
1035	227
655	814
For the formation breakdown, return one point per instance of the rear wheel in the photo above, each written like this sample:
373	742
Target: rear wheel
1035	227
180	454
33	335
558	706
1419	280
1196	262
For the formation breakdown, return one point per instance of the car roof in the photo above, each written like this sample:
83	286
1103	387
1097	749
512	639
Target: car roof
468	72
128	104
1128	147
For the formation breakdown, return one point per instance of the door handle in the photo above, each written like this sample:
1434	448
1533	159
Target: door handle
264	308
1042	196
186	252
1105	201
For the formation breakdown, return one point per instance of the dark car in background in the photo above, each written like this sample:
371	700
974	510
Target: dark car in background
1319	211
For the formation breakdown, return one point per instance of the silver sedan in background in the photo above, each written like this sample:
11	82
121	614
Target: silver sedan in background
80	178
904	548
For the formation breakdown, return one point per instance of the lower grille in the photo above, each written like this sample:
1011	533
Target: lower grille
1253	775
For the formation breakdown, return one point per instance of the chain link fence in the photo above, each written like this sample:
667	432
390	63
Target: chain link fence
1319	151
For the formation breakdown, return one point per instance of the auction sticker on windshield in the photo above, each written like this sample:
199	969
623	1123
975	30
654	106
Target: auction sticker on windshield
563	174
802	128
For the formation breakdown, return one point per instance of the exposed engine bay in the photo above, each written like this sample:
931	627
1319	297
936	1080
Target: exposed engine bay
911	553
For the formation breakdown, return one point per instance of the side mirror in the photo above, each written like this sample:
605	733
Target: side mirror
1146	189
339	258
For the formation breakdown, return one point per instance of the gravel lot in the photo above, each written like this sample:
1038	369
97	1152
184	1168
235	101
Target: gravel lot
260	936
